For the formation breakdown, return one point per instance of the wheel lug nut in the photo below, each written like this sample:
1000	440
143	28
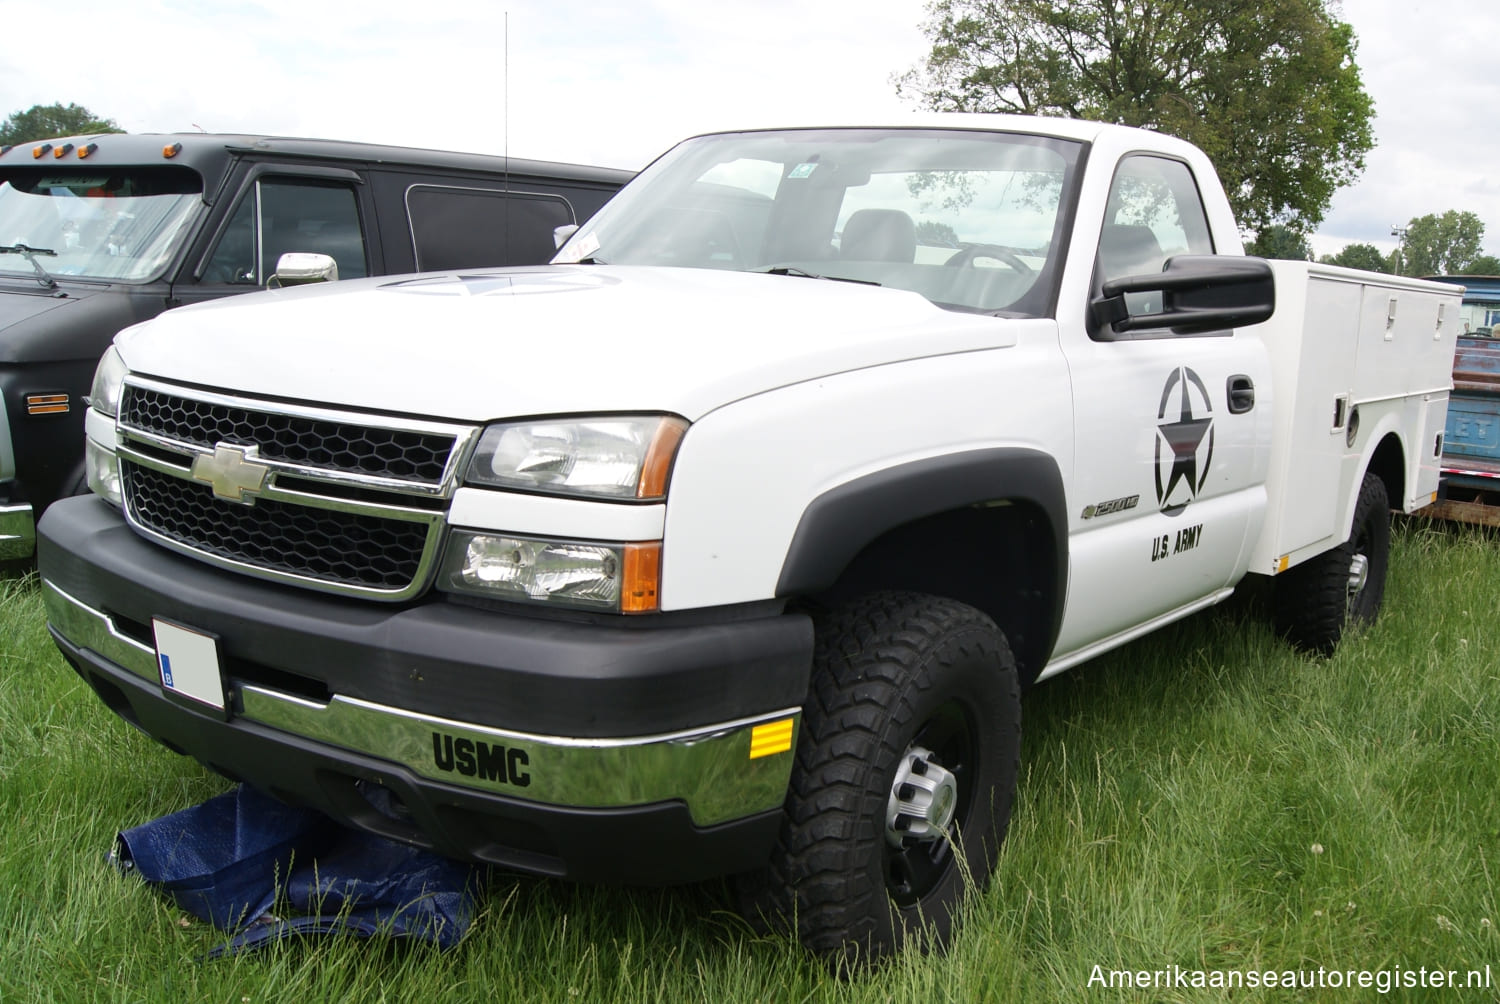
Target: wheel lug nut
922	801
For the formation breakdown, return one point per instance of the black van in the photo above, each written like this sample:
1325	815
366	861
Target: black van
99	232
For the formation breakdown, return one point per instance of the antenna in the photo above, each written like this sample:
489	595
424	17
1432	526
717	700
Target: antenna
505	98
505	129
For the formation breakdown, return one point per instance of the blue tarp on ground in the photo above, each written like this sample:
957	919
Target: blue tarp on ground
231	859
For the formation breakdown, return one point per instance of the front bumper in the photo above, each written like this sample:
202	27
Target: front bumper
698	794
17	532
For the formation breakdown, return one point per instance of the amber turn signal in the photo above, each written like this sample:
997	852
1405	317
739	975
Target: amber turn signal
659	456
641	578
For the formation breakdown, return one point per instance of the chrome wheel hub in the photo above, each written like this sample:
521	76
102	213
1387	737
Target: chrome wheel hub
1359	572
922	802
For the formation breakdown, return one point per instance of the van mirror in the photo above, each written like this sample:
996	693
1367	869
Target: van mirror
1198	293
561	234
298	268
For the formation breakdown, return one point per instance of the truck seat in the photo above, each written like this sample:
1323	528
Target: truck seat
879	235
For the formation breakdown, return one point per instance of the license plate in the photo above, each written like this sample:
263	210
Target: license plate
188	662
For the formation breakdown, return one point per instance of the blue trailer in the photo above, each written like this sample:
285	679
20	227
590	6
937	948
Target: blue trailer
1470	486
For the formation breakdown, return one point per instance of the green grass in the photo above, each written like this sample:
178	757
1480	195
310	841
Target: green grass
1204	798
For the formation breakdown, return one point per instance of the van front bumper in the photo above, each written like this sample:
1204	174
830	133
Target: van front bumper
606	800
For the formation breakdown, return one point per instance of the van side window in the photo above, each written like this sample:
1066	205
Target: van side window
281	215
1154	212
455	227
233	260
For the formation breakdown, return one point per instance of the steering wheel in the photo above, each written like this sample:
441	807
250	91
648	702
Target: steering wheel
995	251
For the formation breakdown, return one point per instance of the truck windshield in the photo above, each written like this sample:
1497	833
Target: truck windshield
970	220
120	224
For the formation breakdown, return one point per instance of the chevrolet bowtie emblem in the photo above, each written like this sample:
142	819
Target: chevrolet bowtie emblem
232	472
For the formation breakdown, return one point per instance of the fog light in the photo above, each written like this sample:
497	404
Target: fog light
104	473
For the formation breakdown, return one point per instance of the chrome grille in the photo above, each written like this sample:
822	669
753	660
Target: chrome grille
322	443
347	503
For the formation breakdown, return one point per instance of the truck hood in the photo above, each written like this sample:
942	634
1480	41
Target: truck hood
26	337
550	340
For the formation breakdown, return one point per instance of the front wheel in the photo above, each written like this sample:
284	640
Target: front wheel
1317	600
905	771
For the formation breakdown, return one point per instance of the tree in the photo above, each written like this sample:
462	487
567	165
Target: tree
936	234
1269	90
52	121
1280	241
1441	245
1365	256
1485	264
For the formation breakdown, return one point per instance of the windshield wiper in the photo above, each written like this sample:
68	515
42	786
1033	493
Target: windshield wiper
30	253
803	273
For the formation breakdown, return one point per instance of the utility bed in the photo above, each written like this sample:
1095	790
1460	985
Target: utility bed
1352	355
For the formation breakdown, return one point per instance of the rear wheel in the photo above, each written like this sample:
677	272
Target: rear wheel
1317	600
905	771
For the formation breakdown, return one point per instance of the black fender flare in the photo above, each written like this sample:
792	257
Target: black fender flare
841	522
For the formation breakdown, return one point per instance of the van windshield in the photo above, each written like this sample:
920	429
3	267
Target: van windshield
120	224
971	220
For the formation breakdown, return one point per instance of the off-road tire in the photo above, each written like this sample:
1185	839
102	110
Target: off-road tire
1315	602
891	670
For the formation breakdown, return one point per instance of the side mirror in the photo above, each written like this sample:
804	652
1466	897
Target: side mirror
1199	293
561	234
298	268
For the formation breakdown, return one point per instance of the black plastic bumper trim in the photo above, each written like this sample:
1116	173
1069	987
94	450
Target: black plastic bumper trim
434	657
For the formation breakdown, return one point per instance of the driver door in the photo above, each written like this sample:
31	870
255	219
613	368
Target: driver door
1169	470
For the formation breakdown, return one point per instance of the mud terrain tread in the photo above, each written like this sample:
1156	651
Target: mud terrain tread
875	660
1312	608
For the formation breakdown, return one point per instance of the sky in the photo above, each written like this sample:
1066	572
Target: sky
617	84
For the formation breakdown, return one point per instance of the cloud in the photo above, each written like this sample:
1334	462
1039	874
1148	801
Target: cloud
617	84
1431	70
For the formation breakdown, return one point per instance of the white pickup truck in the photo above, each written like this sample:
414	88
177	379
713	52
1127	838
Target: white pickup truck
727	543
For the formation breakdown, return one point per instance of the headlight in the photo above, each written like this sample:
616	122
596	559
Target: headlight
103	472
619	578
104	395
609	457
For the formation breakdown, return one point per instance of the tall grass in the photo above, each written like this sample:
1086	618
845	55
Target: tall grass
1205	798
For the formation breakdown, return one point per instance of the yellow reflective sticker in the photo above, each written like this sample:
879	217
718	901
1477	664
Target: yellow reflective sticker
771	738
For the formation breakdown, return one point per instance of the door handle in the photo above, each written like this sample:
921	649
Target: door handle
1241	393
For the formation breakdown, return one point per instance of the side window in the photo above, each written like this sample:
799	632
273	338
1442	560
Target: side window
1154	212
285	214
474	227
233	260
